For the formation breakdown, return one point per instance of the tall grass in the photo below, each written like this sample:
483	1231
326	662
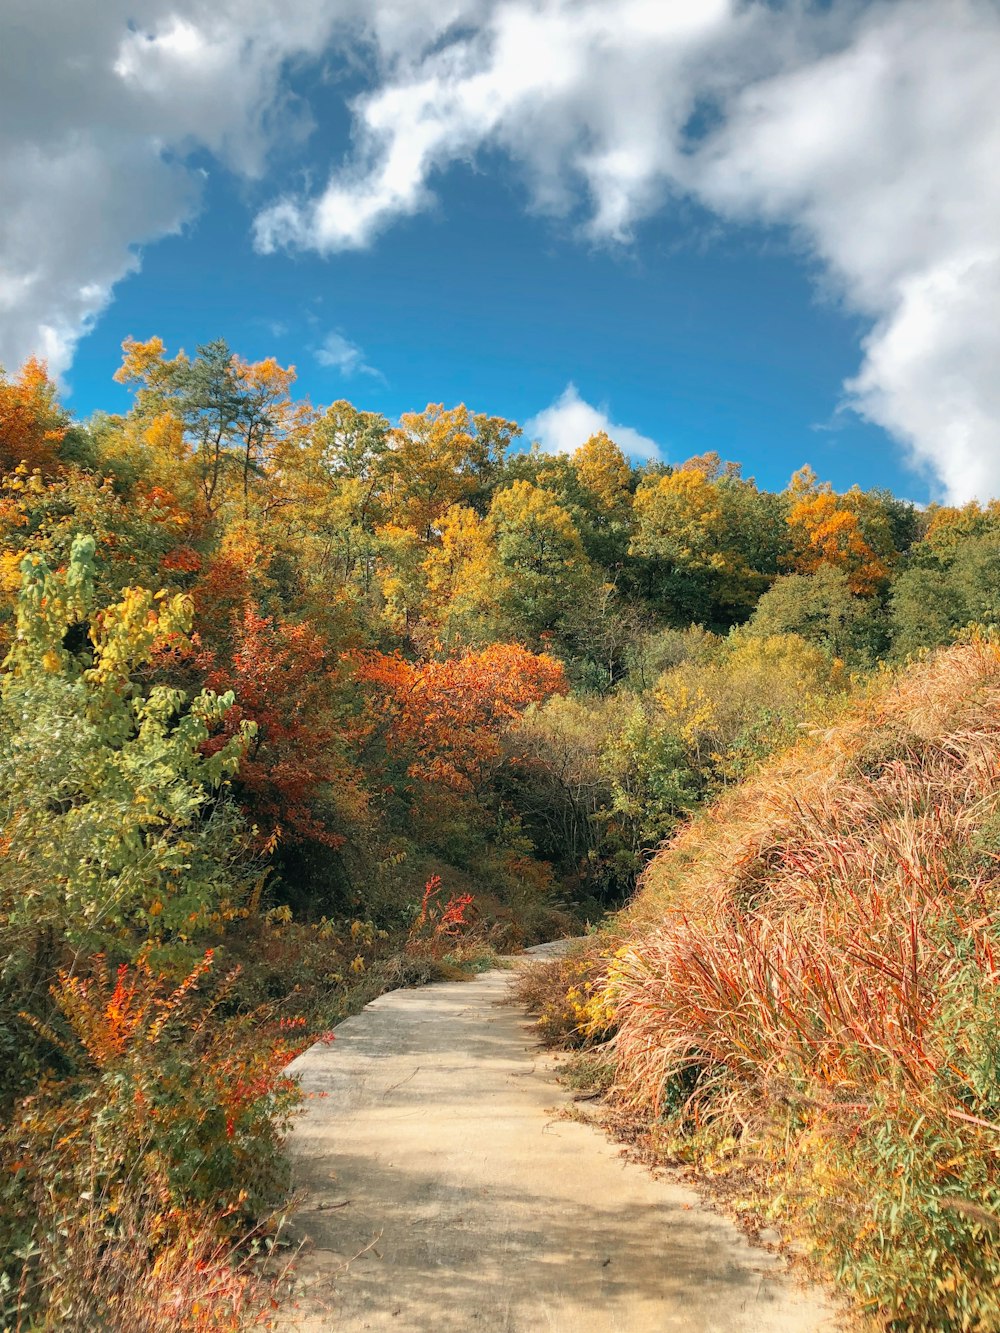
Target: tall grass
810	980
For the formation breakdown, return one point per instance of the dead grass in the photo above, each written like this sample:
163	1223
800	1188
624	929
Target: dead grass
806	992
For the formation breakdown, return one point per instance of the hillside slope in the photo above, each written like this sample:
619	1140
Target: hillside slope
803	998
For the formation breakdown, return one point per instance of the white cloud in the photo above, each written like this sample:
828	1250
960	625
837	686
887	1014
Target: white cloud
66	235
93	156
883	155
339	353
570	421
96	156
871	130
587	95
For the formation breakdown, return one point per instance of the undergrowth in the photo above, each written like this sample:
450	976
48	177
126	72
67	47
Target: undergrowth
804	1000
143	1180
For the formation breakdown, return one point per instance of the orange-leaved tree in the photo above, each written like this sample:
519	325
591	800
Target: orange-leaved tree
32	424
281	673
445	719
850	532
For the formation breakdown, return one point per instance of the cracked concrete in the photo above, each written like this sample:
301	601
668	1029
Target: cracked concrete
442	1194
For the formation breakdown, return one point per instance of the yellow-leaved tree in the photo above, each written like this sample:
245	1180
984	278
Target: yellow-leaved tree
850	532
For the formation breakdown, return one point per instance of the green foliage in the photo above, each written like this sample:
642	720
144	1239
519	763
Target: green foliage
105	786
542	558
711	542
562	784
601	782
653	783
822	609
944	590
745	700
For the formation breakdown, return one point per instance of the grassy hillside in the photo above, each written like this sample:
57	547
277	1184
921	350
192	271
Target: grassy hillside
804	1002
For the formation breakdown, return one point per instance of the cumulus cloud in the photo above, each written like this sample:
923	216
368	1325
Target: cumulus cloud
108	151
339	353
882	155
587	95
94	155
869	130
570	421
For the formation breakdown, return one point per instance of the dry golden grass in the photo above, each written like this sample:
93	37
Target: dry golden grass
809	981
813	915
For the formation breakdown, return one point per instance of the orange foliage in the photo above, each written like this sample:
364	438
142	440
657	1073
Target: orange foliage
827	530
949	525
125	1020
182	560
108	1020
220	596
281	677
31	425
169	1129
446	718
440	921
141	361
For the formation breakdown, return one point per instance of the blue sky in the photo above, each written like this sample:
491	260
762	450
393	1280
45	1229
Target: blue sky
698	336
691	221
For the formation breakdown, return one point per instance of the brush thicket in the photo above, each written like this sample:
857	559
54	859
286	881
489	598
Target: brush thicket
809	980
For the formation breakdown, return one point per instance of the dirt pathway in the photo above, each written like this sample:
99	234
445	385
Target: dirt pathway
434	1157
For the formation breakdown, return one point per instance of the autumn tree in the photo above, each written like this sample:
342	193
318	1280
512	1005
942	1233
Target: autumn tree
226	410
342	449
851	532
604	473
442	457
401	579
141	536
757	536
444	719
494	438
282	675
464	579
330	497
947	527
541	557
711	540
600	500
680	520
32	424
681	533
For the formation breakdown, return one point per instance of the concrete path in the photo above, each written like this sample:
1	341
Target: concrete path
442	1195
